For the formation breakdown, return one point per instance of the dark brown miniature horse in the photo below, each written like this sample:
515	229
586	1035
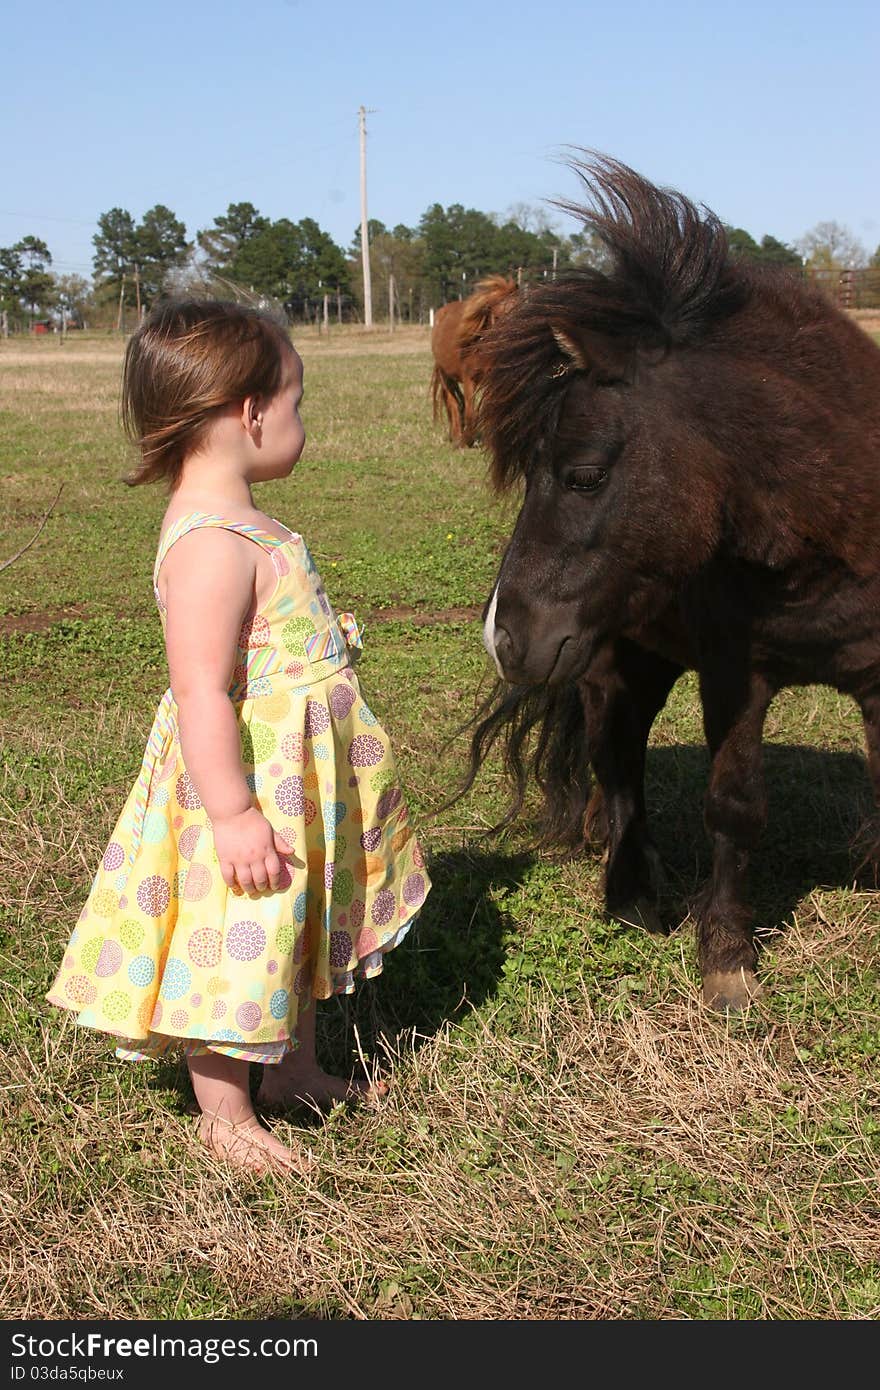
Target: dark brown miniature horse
455	338
699	445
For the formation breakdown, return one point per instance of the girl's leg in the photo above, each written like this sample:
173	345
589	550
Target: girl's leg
228	1125
298	1079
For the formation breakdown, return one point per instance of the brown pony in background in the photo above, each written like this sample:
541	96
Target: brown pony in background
455	337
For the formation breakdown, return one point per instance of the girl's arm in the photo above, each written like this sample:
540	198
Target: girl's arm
210	577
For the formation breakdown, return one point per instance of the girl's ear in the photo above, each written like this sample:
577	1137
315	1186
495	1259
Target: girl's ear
251	414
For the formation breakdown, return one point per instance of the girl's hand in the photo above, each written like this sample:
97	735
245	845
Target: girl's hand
250	852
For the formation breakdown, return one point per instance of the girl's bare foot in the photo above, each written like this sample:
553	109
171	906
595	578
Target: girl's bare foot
248	1145
290	1083
298	1079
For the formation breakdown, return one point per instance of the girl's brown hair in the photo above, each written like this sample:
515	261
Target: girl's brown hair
189	358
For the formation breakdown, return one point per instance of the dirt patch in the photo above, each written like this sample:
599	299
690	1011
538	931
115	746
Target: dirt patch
403	613
39	621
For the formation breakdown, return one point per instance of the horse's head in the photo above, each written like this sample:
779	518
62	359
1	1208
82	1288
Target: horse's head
592	396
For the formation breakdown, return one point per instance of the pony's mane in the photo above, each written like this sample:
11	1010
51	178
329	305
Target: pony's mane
671	281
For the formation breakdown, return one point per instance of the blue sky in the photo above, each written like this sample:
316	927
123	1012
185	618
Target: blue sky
767	112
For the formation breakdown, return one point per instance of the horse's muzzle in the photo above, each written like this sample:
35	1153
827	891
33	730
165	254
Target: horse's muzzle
548	664
547	661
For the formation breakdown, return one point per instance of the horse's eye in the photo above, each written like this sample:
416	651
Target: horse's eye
585	479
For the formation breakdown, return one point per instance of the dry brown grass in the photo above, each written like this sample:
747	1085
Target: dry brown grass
506	1192
869	319
106	349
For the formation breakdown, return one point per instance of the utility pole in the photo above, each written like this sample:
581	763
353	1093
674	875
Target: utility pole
365	238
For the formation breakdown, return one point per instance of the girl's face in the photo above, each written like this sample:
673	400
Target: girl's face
282	434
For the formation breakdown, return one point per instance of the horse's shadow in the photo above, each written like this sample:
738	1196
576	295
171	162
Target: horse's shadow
817	804
453	959
450	963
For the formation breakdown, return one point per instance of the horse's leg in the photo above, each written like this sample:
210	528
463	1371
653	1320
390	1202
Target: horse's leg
735	702
468	424
461	438
454	409
446	397
451	413
622	693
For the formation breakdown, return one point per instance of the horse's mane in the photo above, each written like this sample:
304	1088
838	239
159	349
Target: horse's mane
671	281
481	308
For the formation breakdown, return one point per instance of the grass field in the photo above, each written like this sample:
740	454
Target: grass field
569	1134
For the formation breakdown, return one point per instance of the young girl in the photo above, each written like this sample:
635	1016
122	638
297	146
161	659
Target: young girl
263	858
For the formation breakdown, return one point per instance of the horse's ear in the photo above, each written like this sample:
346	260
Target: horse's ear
576	361
592	352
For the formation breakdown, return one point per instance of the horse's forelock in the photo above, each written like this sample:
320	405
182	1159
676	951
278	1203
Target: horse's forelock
671	280
523	377
671	261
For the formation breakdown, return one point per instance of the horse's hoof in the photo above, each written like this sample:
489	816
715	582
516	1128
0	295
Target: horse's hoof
730	991
643	914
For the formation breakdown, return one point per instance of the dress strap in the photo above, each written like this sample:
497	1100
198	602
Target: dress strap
195	521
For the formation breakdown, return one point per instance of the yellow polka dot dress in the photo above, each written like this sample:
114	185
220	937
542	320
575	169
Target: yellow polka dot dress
164	954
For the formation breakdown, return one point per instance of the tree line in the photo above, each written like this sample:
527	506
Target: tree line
300	267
